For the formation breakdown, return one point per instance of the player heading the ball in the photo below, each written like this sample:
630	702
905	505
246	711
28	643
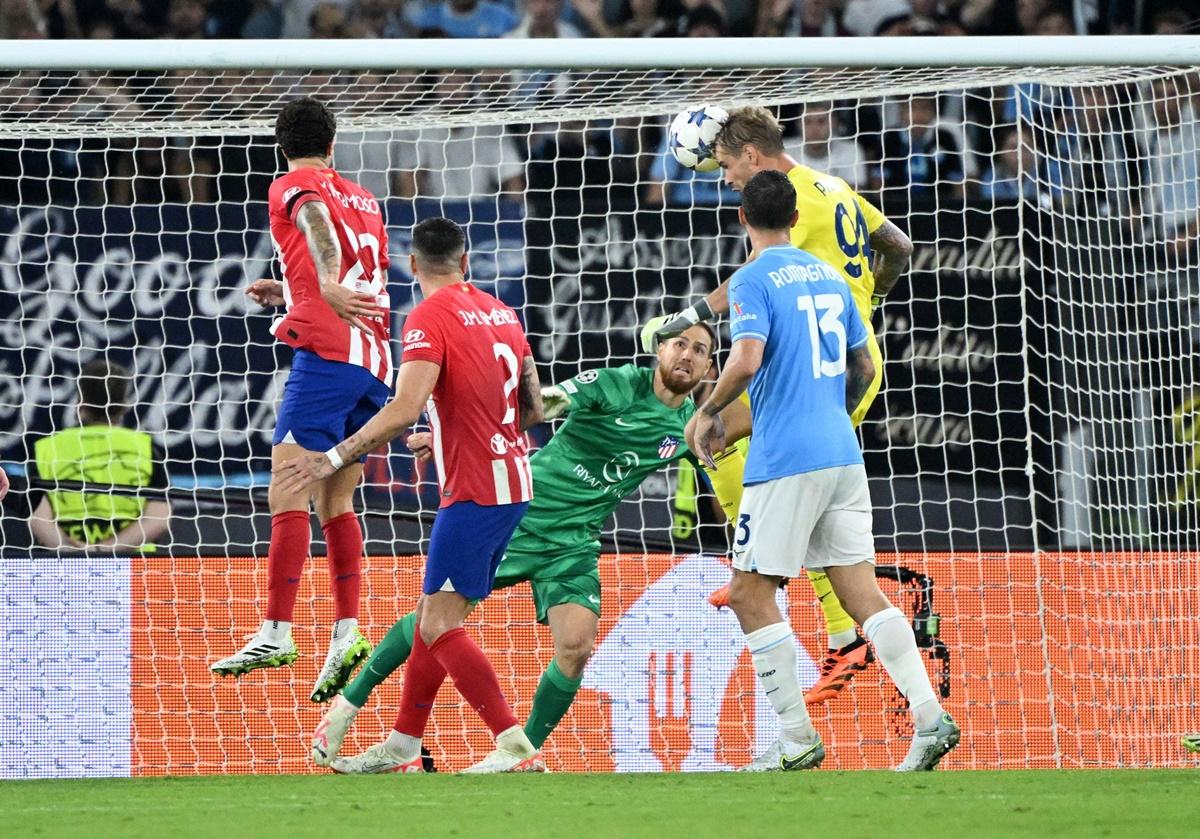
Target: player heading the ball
332	244
802	349
466	362
846	231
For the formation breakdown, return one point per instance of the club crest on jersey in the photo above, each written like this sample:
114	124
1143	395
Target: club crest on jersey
668	447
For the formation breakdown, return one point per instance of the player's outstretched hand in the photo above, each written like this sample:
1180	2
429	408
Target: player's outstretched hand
705	437
294	475
349	305
420	443
266	292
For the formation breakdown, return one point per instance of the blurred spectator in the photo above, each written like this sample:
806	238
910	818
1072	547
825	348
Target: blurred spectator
1053	22
872	17
459	162
648	18
1004	181
591	12
1095	159
922	159
264	19
297	15
577	164
807	18
819	148
102	452
185	19
1171	21
702	21
543	19
326	20
1173	152
462	18
383	17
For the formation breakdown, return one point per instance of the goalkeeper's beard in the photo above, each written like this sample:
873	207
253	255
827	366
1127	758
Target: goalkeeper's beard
678	384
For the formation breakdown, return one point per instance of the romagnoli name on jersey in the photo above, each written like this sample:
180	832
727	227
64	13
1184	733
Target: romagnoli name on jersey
787	274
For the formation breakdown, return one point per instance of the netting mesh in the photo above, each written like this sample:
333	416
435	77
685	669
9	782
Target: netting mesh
1033	453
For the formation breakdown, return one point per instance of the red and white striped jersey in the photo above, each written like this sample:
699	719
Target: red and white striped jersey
310	323
480	451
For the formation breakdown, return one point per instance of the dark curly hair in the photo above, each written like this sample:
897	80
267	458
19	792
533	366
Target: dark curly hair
305	128
769	200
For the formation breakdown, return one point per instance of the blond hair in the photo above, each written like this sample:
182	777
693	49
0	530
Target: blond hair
752	125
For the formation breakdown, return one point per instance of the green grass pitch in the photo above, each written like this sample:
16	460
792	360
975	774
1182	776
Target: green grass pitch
829	805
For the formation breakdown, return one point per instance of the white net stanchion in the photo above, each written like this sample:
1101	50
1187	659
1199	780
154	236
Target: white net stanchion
1032	456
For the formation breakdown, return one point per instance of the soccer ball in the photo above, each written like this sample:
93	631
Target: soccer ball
693	134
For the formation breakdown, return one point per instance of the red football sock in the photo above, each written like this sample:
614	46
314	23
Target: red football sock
474	678
423	675
344	543
285	560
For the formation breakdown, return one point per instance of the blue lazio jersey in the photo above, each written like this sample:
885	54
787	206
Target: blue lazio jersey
804	312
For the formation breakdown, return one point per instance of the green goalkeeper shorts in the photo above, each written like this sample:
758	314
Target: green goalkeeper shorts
554	576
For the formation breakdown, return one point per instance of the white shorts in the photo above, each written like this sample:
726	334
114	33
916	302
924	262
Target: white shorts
812	520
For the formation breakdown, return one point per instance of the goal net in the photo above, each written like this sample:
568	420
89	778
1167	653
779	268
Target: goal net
1033	455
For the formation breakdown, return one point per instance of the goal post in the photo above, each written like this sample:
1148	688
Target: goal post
1033	455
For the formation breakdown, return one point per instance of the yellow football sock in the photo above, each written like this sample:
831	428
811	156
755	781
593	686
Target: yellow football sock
727	478
837	619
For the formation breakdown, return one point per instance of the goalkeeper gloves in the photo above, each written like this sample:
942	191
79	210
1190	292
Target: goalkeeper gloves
877	301
555	401
664	327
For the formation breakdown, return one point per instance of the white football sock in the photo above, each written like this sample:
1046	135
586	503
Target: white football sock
515	741
891	634
773	649
344	627
275	631
842	639
402	746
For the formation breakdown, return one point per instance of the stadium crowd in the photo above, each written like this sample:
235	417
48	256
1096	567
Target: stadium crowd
1092	145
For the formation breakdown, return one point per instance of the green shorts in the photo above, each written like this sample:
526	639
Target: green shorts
556	577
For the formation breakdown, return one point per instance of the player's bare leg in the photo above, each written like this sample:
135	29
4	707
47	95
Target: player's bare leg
272	645
348	647
772	646
889	631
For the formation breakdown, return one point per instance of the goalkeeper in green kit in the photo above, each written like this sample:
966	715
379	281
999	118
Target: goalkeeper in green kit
623	424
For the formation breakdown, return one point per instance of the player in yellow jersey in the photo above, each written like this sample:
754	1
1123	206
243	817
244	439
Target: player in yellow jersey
848	232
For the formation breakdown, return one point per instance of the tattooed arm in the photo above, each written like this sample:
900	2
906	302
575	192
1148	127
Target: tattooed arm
860	370
892	249
529	395
414	383
314	221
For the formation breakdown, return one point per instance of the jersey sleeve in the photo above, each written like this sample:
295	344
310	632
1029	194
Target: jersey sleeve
749	309
856	330
872	215
607	390
424	336
290	192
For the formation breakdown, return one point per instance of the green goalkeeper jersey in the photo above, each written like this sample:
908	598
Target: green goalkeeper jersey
616	434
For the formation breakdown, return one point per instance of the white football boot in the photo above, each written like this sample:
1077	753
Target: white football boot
930	745
513	753
377	760
260	652
327	739
345	654
788	756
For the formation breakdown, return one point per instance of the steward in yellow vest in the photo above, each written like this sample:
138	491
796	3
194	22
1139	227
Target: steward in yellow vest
100	451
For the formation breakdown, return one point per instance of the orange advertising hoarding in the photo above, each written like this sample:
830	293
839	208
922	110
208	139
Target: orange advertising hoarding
1056	659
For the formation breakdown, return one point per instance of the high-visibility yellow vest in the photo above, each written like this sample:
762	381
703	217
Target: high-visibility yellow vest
102	454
